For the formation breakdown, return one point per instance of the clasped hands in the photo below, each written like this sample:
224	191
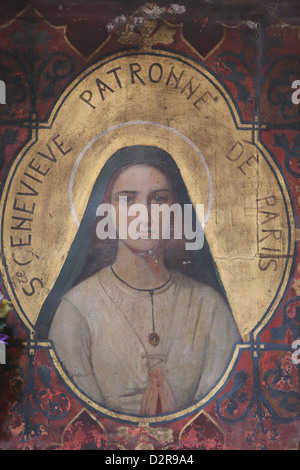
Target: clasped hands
158	397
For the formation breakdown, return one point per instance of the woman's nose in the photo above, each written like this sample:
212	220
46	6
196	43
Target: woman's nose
146	202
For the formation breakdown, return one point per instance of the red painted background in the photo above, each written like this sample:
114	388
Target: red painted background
256	55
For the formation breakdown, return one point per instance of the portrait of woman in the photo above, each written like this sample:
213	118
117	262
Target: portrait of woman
141	325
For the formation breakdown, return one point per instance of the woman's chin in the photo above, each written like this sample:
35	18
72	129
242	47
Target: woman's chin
142	245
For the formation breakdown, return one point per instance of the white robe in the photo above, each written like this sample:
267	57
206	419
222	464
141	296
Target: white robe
100	333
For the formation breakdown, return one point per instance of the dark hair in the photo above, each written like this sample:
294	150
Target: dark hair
87	256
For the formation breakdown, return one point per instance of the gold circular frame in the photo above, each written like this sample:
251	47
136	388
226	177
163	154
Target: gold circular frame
245	180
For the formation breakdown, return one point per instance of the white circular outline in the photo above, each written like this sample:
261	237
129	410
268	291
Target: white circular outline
131	123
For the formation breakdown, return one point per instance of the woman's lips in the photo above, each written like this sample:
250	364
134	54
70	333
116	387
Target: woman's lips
145	235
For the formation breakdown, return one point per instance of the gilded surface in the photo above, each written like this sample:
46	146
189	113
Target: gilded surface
166	100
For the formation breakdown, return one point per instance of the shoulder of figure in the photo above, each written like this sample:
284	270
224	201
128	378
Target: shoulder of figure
201	290
82	291
188	282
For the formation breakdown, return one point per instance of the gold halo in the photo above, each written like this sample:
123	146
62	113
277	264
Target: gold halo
173	141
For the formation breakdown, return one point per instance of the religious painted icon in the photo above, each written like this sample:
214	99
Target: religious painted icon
138	324
146	327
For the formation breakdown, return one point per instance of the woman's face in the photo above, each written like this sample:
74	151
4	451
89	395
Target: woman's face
146	185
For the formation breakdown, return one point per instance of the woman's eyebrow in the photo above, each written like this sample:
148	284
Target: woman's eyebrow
125	191
164	190
161	189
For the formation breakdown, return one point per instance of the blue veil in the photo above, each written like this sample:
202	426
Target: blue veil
86	256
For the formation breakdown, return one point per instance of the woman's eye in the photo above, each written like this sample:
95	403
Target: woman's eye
126	200
160	199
